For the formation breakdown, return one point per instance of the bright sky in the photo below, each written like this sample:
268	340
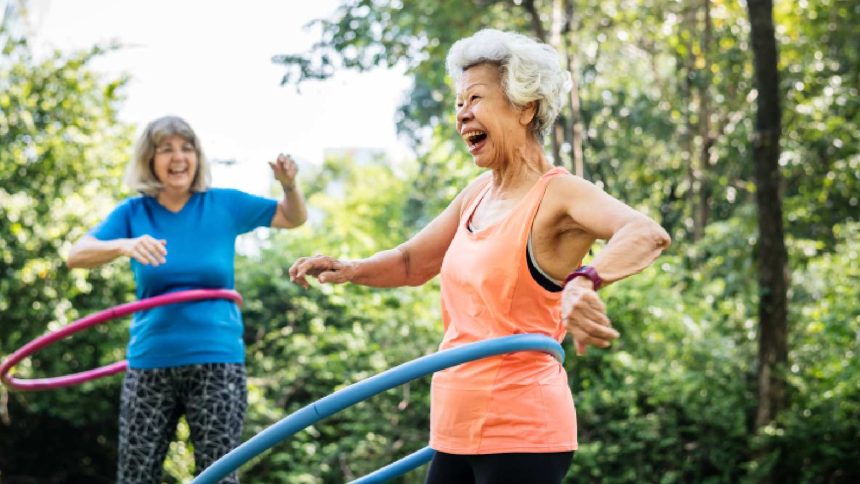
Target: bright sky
210	62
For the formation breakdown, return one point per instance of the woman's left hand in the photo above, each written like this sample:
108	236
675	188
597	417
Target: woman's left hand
585	316
285	170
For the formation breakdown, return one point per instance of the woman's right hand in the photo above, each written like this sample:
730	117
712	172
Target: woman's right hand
585	316
145	249
327	270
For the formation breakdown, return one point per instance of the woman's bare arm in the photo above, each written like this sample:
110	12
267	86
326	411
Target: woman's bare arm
89	252
410	264
634	242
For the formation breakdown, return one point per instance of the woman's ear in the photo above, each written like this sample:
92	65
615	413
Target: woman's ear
527	114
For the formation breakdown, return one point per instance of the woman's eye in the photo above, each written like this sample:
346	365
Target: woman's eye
474	97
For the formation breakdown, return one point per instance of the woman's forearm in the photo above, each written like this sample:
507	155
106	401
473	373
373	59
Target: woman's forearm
292	206
631	249
90	252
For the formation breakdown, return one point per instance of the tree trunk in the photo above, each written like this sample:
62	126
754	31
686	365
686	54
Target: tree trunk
560	31
688	94
556	134
772	258
705	135
564	14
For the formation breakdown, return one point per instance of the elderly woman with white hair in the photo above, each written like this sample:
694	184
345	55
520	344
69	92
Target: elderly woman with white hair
509	249
181	234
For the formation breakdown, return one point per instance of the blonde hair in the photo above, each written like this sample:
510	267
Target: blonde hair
529	70
139	174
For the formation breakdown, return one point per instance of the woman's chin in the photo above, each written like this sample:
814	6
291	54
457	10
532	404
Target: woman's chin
483	161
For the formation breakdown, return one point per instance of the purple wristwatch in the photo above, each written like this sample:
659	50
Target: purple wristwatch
585	271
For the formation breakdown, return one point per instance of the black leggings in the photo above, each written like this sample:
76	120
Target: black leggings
211	396
518	468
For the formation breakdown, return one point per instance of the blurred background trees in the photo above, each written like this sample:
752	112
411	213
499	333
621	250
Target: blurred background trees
662	116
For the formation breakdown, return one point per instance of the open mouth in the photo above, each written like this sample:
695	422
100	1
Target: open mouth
475	140
177	171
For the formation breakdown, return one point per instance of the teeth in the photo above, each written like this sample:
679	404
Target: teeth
470	136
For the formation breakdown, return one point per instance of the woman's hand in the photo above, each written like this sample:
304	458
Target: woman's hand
144	249
285	170
585	316
326	269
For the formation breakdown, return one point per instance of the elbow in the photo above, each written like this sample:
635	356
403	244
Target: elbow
290	218
417	280
662	237
651	233
72	260
658	235
414	275
291	223
301	219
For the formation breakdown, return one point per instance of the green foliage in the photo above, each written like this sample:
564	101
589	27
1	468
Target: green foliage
306	344
63	149
815	439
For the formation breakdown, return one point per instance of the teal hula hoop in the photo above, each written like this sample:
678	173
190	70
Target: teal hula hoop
365	389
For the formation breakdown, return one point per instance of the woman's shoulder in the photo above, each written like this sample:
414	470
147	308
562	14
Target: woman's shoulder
475	186
132	202
566	184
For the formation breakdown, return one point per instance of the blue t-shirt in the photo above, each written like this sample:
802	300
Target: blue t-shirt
201	240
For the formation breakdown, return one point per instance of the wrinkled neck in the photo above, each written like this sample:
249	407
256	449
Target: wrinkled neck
523	164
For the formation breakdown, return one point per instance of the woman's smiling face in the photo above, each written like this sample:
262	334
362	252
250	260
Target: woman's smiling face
175	163
486	120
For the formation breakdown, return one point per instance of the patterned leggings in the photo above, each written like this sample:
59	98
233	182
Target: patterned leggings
213	398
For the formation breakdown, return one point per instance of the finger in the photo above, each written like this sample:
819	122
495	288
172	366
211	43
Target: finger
155	250
585	340
158	247
301	281
596	316
580	348
584	327
294	268
143	256
158	256
599	330
576	313
331	277
139	258
159	244
304	269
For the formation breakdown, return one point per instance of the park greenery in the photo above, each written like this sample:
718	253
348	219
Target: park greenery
663	116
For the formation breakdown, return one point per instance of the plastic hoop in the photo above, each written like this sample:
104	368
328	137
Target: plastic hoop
365	389
92	320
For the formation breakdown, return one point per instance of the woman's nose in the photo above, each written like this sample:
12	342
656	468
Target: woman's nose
464	114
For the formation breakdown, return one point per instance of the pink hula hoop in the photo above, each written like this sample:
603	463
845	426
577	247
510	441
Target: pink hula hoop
92	320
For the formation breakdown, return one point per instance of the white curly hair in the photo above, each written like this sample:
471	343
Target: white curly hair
529	70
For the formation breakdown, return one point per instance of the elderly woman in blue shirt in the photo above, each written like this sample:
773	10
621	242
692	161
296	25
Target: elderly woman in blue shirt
180	234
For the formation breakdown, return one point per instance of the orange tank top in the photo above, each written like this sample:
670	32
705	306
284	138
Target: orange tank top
518	402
